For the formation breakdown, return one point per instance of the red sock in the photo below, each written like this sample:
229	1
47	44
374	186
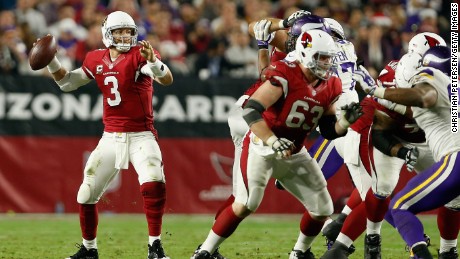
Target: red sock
154	194
227	203
88	221
448	223
226	223
355	223
375	207
310	226
354	199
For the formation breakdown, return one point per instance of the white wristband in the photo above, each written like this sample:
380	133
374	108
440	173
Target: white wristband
281	25
159	69
379	92
344	123
54	66
271	140
399	108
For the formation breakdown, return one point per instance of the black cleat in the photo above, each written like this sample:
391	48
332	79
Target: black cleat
215	255
421	252
298	254
84	253
332	230
338	251
203	254
428	243
372	246
156	251
451	254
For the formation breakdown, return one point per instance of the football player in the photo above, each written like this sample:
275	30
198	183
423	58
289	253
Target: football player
396	139
385	169
328	153
295	98
124	72
429	98
297	22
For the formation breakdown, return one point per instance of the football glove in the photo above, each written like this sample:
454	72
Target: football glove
262	30
411	158
282	147
262	33
350	114
365	80
288	22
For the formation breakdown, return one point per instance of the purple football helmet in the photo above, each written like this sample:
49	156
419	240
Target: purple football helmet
305	23
438	57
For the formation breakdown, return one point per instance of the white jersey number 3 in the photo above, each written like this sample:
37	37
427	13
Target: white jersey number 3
296	118
114	90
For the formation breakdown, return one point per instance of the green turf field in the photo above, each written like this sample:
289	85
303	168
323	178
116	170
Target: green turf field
124	236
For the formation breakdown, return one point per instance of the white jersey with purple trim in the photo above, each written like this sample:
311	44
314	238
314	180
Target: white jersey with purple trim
346	61
346	65
435	121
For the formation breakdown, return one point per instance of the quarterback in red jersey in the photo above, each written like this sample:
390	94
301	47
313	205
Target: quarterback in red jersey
124	73
296	98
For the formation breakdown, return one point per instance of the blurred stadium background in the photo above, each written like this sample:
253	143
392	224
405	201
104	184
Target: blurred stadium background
46	135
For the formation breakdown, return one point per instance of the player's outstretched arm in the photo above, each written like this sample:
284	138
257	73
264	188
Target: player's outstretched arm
421	95
264	30
67	81
154	67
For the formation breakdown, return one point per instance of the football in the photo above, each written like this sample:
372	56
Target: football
42	52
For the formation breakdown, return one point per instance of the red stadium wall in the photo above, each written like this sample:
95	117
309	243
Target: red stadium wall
44	143
43	174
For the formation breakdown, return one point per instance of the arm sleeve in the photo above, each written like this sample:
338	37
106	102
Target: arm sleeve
383	140
73	80
327	127
252	112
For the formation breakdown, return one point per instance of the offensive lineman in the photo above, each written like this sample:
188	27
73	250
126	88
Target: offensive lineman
274	146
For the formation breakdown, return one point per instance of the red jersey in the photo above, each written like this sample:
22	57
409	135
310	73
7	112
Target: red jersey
298	111
126	91
365	121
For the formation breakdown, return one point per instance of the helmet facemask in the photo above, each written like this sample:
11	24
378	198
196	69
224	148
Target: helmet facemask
122	42
322	65
290	42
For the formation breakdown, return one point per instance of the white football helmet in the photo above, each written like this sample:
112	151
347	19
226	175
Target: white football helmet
311	49
336	28
117	20
406	68
421	42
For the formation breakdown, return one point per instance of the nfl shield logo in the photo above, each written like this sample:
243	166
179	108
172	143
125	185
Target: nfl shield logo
313	92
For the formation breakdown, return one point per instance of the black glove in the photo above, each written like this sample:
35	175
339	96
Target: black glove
287	23
350	114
